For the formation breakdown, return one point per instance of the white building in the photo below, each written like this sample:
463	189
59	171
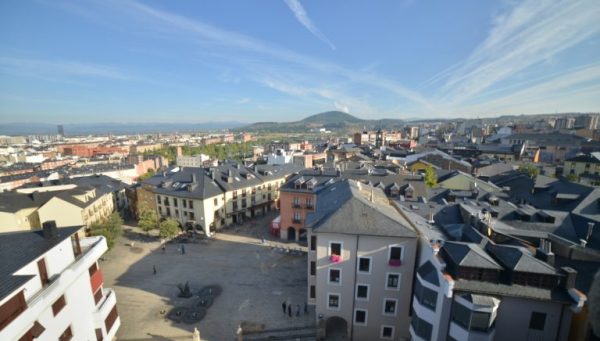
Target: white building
52	289
281	157
197	160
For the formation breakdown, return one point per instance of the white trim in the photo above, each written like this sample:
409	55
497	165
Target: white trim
385	337
395	306
329	277
360	323
401	246
387	274
339	301
368	292
341	248
370	265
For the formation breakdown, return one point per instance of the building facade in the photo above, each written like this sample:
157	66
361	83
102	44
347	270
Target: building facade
53	289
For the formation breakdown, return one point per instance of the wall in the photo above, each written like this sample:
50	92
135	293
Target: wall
64	213
514	315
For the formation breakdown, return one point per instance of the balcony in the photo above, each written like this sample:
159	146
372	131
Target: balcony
394	262
296	205
297	221
92	250
335	258
309	206
104	318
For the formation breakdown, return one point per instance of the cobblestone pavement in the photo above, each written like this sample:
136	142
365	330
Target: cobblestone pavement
256	278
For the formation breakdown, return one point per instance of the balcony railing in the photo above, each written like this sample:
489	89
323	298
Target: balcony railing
297	221
335	258
395	262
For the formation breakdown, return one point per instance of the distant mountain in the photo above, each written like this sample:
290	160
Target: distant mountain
331	120
113	128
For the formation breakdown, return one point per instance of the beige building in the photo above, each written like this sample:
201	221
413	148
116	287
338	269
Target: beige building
68	205
209	198
360	263
585	167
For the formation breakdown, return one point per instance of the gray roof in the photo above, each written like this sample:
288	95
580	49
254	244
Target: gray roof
429	273
14	256
515	259
342	208
481	300
512	290
470	255
181	184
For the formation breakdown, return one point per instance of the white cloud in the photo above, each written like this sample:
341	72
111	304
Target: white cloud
244	100
341	107
298	10
60	68
530	33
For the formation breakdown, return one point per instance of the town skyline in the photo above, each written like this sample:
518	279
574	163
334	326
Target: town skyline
268	61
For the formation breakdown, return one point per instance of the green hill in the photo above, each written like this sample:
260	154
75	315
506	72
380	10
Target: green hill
331	120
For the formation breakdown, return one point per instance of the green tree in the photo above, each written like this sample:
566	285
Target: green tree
147	219
430	177
111	229
150	173
530	170
169	228
571	177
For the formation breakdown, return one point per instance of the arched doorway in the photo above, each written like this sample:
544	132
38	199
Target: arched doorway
302	235
336	328
291	233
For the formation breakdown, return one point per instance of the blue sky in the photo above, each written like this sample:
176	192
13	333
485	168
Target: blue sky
282	60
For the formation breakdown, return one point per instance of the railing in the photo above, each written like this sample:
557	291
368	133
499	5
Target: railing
297	221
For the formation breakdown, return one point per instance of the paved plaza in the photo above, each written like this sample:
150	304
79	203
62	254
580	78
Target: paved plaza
255	279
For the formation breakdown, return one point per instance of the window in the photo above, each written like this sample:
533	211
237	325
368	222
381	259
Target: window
360	317
296	202
471	320
387	332
309	203
362	292
111	318
395	255
168	211
425	296
312	291
98	334
313	243
480	321
58	305
296	217
98	295
364	264
234	195
313	268
389	306
537	320
191	204
335	276
333	301
158	199
177	213
43	272
184	203
421	327
191	215
461	315
393	281
216	201
66	335
335	249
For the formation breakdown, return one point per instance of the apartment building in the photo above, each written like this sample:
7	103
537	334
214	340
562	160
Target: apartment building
84	202
360	264
210	198
585	167
199	160
53	288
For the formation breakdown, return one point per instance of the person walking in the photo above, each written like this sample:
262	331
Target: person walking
154	269
297	310
283	305
305	308
164	248
289	310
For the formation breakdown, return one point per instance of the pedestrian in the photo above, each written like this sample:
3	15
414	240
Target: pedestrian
283	305
305	308
164	248
289	310
182	249
154	269
297	310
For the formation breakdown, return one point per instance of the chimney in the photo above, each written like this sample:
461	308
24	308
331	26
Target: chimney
570	277
194	180
49	229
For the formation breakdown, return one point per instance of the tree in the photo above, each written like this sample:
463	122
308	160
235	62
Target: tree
571	177
147	219
111	229
169	228
150	173
530	170
430	177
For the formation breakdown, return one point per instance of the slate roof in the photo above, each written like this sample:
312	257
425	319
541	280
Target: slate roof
14	256
429	273
515	259
512	290
342	208
589	158
469	255
481	300
175	183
